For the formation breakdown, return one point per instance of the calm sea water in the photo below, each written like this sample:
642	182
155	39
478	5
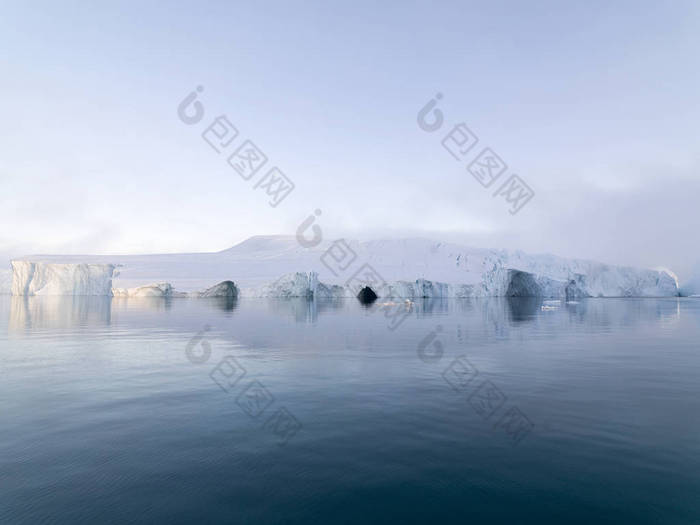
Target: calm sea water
482	411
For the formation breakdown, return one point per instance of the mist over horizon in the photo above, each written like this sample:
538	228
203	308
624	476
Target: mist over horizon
596	109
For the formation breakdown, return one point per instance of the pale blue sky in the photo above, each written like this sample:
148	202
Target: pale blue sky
594	104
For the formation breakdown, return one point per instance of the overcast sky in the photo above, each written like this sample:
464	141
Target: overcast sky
593	104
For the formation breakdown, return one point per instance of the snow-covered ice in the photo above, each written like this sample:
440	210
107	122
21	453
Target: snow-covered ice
267	266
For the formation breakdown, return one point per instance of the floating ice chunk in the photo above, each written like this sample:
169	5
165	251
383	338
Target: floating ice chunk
148	290
223	289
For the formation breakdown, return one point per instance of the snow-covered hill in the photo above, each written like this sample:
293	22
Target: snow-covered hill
407	267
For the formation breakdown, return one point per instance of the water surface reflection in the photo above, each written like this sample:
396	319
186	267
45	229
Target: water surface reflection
56	312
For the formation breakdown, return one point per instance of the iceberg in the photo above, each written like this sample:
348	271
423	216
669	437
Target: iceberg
40	278
226	289
298	284
148	290
406	268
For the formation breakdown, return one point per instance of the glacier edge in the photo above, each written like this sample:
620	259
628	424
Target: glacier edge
408	268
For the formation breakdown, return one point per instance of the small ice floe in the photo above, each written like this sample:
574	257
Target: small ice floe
573	302
406	302
550	305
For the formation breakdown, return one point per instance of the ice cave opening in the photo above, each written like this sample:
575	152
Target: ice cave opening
522	284
367	295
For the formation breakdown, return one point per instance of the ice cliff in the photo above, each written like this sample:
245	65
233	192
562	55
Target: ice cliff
45	278
408	268
501	282
38	278
297	284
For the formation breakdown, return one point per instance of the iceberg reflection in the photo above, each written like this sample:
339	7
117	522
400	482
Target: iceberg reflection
56	312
